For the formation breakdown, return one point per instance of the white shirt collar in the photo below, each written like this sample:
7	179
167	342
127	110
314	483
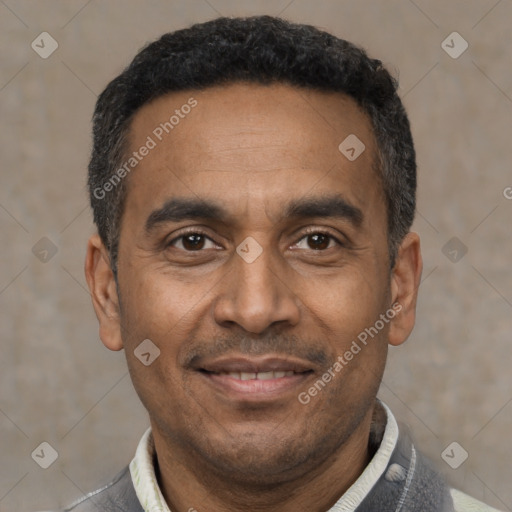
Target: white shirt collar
150	496
144	478
356	493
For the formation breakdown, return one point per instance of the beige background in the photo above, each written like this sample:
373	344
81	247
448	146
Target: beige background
452	379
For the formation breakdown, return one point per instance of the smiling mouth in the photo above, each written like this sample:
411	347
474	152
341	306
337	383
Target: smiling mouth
256	376
255	379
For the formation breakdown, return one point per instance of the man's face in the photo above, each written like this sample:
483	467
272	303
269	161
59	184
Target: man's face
252	253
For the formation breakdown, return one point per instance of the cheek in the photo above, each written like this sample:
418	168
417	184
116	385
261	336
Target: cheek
155	310
165	311
351	311
160	308
347	302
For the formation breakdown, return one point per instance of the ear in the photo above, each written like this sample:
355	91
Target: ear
102	286
405	280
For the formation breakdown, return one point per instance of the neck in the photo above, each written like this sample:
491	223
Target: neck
187	483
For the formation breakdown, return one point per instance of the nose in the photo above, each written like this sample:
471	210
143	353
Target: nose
256	295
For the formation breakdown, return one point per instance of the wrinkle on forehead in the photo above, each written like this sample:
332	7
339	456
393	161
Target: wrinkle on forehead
256	146
255	117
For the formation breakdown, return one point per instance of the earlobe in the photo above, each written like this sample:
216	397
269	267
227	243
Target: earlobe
405	280
102	287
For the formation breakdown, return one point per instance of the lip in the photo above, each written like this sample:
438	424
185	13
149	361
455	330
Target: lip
219	375
255	365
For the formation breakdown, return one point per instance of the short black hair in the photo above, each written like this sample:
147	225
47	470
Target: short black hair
262	50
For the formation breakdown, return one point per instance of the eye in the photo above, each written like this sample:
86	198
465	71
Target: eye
192	241
318	241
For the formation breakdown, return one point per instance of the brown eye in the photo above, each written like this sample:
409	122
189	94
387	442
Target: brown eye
192	242
318	241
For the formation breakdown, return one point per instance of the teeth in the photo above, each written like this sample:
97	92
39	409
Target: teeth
265	376
259	375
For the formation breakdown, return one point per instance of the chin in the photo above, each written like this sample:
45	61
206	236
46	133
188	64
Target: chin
266	459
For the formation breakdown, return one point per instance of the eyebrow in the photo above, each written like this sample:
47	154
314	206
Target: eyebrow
179	209
332	206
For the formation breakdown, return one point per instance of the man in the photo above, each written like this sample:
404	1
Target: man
253	184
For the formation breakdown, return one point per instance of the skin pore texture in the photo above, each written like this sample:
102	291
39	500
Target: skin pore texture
267	159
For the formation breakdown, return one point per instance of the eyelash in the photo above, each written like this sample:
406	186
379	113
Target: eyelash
309	231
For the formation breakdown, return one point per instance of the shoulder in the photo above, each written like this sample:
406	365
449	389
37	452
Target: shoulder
117	496
464	503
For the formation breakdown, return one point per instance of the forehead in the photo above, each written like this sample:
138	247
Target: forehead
249	139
